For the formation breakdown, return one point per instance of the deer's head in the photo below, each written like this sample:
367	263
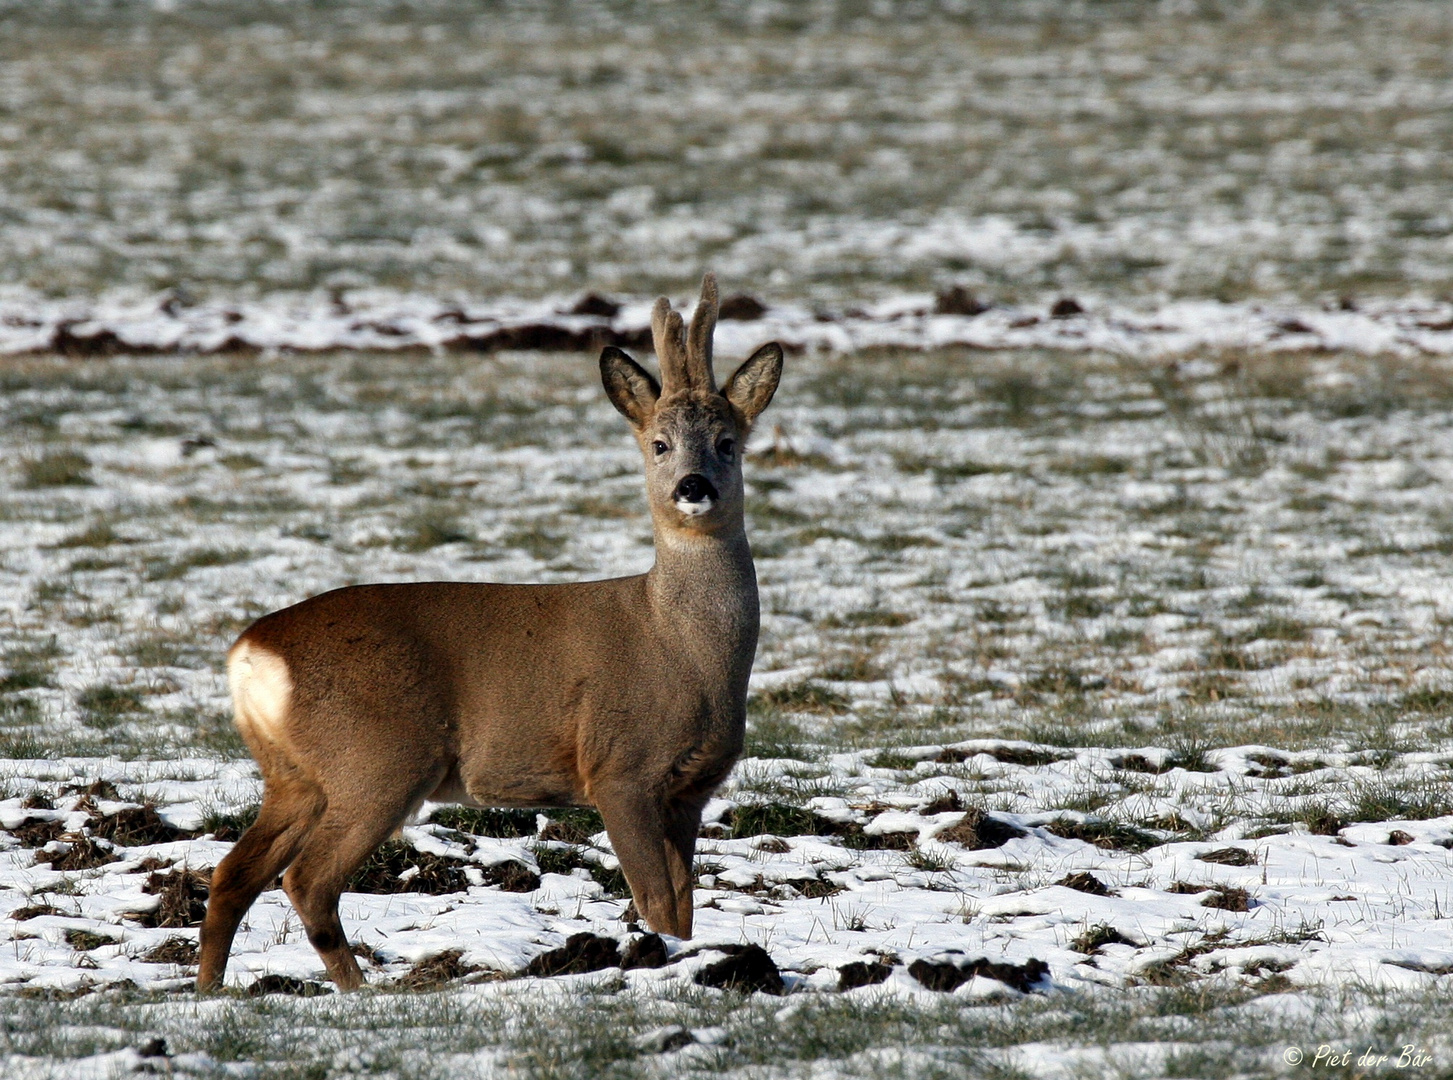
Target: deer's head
691	434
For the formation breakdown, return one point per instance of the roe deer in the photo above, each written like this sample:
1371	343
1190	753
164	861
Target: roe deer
627	694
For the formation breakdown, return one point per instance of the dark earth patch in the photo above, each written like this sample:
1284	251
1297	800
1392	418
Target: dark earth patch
746	969
948	975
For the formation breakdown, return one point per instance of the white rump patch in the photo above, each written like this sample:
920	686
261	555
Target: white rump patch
262	688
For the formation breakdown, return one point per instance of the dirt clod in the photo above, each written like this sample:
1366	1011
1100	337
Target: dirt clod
957	300
1109	835
134	826
286	984
174	950
948	975
581	953
1085	882
387	871
81	853
646	951
742	308
36	834
512	876
1228	899
97	789
34	911
862	973
438	970
548	338
978	831
183	895
746	969
595	304
1228	856
1097	937
942	805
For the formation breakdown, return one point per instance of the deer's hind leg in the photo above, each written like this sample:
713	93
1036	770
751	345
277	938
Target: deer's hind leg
292	806
356	822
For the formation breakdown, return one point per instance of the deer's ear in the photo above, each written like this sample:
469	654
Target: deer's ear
752	385
629	386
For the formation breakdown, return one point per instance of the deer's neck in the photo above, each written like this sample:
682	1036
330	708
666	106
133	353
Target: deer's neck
703	593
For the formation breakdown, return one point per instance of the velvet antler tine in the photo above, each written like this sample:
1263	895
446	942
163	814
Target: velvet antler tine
698	342
668	333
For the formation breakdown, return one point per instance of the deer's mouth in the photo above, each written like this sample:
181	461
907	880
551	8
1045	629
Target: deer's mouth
695	495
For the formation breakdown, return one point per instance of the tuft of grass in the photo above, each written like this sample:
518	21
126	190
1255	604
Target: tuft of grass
772	735
773	819
59	468
1428	699
1111	835
486	821
86	940
1384	799
869	617
171	569
540	545
856	667
891	759
104	707
573	824
806	697
98	535
429	530
1097	937
229	824
24	677
215	732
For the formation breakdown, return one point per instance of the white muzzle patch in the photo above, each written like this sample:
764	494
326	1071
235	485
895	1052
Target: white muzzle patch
695	509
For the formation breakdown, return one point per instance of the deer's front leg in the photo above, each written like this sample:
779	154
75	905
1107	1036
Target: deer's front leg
636	822
683	823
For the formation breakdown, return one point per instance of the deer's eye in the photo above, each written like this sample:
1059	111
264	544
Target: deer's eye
727	448
659	447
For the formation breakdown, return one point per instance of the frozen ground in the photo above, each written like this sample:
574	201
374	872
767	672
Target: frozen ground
833	150
1133	670
1103	719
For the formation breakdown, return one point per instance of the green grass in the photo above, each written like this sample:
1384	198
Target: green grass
990	635
174	569
806	697
59	468
425	1035
104	707
954	123
429	529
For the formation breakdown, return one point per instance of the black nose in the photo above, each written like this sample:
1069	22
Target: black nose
694	488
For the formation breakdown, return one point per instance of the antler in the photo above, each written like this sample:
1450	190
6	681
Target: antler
698	341
668	333
686	359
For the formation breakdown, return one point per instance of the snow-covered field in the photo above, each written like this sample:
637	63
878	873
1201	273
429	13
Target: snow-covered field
1128	677
1102	723
842	150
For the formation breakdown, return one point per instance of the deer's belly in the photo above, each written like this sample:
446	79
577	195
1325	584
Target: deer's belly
534	776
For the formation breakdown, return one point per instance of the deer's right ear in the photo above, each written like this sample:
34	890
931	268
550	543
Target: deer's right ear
629	386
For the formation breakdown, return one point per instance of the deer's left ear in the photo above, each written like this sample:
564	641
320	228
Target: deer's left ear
752	385
629	386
